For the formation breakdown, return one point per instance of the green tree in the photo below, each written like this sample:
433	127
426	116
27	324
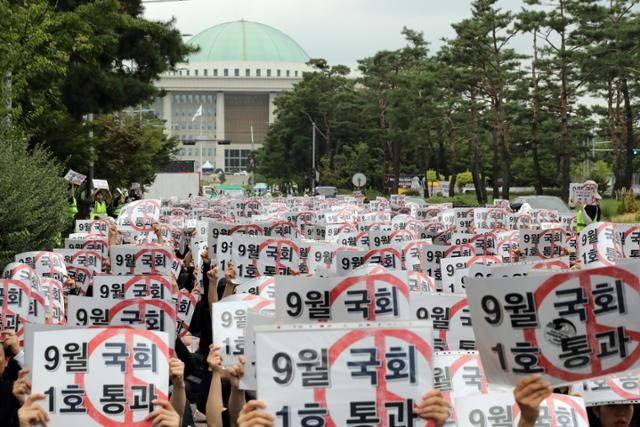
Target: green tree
609	63
64	59
34	209
129	149
381	78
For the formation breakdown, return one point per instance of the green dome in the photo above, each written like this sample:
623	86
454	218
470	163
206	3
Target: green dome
246	41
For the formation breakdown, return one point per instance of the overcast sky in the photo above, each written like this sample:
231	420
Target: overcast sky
341	31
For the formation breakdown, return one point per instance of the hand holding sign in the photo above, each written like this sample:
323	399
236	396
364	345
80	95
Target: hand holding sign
164	415
252	414
433	407
31	413
529	394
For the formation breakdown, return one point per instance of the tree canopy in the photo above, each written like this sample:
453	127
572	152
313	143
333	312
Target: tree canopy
510	117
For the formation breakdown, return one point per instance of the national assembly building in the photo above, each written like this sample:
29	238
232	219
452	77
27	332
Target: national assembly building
220	102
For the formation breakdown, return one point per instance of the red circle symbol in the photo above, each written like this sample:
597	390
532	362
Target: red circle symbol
129	378
592	326
383	394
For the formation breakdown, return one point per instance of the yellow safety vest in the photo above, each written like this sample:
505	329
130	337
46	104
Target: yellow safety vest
99	210
73	207
580	220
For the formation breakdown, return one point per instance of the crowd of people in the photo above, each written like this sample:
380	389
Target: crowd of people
204	389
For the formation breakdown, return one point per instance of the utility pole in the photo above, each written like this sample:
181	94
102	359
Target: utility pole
92	154
253	179
313	159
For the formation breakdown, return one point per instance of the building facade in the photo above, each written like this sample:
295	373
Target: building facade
232	81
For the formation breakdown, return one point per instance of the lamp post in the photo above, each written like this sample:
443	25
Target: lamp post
313	158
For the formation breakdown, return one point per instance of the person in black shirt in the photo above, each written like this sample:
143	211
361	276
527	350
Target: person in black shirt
9	405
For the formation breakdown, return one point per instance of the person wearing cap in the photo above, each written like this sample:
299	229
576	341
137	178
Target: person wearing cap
587	214
118	202
72	202
99	205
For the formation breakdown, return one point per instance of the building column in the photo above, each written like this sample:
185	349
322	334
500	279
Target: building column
219	161
272	115
167	113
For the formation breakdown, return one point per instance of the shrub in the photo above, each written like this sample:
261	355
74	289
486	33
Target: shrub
34	208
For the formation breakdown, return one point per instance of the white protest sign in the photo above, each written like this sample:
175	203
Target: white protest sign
599	245
454	270
347	260
14	307
91	260
89	242
262	286
185	307
541	244
254	318
388	256
499	408
412	254
229	319
582	193
53	301
96	226
28	276
100	184
458	374
223	251
431	261
518	269
358	297
614	390
567	326
155	314
630	239
256	256
136	286
74	177
137	217
46	264
100	376
420	282
334	368
449	314
141	259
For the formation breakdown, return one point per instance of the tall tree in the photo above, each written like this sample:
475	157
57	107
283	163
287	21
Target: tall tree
609	32
381	74
562	47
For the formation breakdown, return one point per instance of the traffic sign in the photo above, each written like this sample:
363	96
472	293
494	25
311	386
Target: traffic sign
359	180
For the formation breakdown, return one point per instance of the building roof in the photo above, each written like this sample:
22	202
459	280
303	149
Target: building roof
246	41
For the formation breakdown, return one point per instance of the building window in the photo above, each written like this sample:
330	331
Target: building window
236	160
236	72
195	73
206	72
226	72
279	73
187	72
258	72
288	73
268	72
215	72
247	72
296	74
210	152
189	152
182	152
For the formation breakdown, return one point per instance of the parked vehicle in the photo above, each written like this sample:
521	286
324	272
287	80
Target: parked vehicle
327	191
